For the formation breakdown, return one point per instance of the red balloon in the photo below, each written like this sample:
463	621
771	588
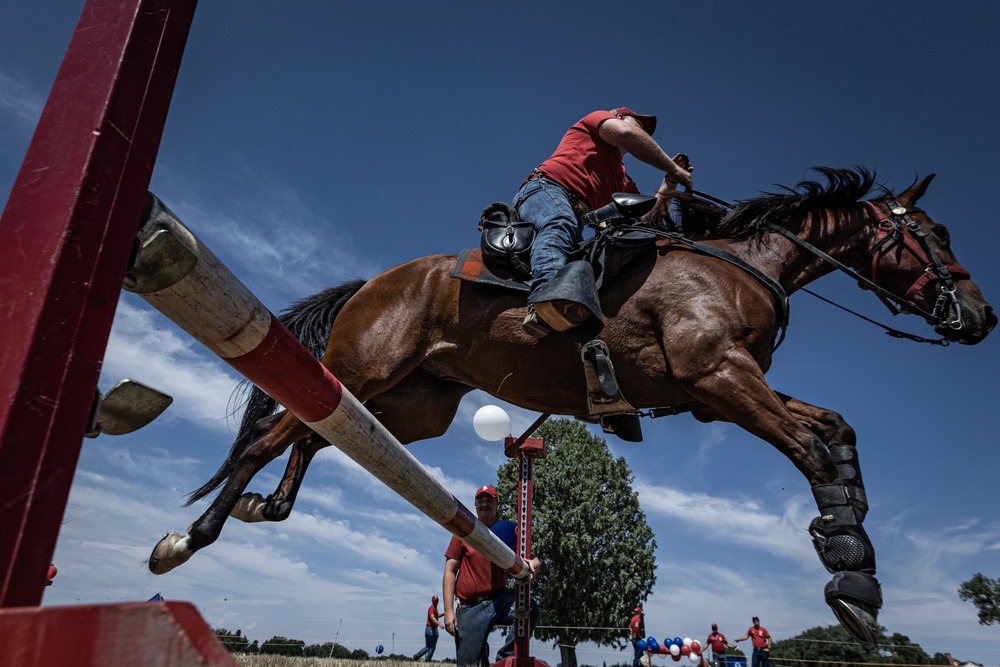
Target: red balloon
51	574
663	649
696	647
676	657
685	650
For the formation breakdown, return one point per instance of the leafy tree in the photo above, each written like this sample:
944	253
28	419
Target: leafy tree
359	654
905	652
282	646
940	659
235	642
826	647
985	594
340	652
592	536
318	650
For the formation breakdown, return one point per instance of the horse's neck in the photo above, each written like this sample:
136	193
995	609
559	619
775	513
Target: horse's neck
844	234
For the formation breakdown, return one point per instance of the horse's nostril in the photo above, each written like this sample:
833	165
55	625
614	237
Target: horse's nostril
991	317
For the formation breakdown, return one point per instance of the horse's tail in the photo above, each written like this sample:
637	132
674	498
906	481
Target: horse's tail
310	321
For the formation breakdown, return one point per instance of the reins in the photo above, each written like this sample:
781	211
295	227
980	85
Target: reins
946	301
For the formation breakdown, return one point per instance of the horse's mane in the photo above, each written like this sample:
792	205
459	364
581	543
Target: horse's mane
749	217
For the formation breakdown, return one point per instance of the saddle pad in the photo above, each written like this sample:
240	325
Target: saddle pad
470	267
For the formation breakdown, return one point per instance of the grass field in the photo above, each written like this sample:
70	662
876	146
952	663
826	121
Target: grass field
256	660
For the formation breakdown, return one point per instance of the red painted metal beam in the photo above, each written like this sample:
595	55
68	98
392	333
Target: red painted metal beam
66	233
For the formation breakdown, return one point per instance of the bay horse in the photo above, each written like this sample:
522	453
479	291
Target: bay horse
684	328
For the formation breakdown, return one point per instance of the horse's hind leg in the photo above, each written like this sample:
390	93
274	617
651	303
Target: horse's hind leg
175	549
253	507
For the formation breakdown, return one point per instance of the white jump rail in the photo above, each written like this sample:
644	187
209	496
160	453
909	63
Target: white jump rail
184	280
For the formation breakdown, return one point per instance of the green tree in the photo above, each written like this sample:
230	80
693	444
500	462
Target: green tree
235	642
985	594
591	535
282	646
318	650
828	646
905	652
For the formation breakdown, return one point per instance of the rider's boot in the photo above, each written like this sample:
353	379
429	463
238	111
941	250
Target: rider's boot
569	299
844	548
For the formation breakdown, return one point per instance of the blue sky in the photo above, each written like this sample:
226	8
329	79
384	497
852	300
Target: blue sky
310	143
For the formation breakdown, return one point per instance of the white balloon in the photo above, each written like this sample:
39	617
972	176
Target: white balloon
687	641
491	423
695	659
675	649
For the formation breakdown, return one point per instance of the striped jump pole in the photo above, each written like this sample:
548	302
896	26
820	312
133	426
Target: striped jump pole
185	281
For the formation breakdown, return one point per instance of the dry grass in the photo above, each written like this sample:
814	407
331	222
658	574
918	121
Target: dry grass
256	660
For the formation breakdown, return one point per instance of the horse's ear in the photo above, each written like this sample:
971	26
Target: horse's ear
915	192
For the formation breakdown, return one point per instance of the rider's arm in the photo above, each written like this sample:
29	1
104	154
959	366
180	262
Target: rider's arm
634	140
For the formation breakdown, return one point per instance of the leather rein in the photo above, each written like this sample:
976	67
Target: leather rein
892	234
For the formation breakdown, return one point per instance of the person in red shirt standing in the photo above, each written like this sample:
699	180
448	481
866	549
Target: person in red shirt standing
637	631
430	631
761	640
580	176
717	642
481	589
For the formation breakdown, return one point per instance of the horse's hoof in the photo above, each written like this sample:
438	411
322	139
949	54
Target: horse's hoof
250	508
855	598
170	552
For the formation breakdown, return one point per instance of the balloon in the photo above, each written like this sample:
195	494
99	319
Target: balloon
676	657
663	649
652	644
685	650
675	649
642	644
491	423
696	646
506	531
695	659
379	649
678	641
687	641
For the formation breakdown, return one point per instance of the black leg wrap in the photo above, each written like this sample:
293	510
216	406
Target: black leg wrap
849	471
838	536
855	599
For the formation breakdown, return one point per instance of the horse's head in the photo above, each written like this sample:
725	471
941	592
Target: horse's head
912	257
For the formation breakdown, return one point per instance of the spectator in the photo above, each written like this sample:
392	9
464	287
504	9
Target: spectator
717	642
761	640
430	631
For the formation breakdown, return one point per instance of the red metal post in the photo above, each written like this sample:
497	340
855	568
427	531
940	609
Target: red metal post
66	233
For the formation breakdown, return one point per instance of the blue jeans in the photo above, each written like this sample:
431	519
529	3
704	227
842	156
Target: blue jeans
430	643
638	653
475	623
546	205
760	658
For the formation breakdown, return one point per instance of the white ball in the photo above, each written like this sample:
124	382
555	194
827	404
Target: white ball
695	659
491	423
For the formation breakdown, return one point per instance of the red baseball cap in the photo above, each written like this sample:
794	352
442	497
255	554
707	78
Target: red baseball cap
648	122
488	489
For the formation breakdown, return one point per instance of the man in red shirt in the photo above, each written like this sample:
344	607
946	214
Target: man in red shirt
581	175
717	642
637	631
481	588
430	631
761	640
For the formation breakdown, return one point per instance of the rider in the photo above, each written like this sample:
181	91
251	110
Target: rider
581	175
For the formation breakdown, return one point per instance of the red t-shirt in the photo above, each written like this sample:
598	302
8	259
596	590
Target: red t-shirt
477	576
432	613
587	165
758	636
717	641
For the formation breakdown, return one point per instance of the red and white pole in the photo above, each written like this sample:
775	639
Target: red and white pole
186	282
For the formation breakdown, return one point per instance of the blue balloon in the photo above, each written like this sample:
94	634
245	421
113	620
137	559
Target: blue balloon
678	641
653	644
668	642
507	532
379	649
642	644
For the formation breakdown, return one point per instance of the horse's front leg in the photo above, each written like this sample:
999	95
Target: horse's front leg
176	549
253	507
822	446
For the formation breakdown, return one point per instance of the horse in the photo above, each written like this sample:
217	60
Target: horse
684	328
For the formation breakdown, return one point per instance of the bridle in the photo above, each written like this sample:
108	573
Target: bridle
947	309
892	233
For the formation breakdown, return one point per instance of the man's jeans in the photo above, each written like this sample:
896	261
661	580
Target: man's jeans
475	623
546	205
430	643
638	653
760	658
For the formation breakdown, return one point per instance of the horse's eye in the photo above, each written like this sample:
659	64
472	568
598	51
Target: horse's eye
942	233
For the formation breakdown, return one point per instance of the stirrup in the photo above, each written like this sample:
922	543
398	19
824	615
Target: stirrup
596	352
855	598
